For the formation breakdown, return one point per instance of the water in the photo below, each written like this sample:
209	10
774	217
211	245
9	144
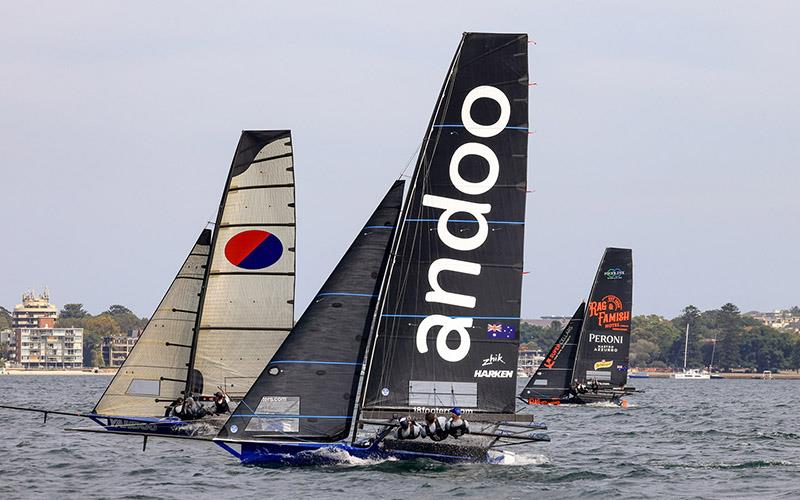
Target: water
688	439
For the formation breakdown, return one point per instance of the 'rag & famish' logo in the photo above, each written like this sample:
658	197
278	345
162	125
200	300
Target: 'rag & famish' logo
609	313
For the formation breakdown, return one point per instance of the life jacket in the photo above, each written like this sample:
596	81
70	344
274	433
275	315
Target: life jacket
457	429
413	431
435	430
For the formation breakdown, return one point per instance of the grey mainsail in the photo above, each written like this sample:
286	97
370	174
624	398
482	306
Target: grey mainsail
247	306
155	370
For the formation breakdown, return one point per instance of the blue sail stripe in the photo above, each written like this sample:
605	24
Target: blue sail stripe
345	294
455	125
426	315
310	362
378	227
469	221
285	416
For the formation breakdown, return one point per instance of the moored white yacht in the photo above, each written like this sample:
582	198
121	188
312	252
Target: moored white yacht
694	373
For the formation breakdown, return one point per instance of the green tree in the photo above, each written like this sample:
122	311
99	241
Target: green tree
72	311
5	318
126	320
540	337
730	327
652	337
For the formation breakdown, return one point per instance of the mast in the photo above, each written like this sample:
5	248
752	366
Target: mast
686	347
376	321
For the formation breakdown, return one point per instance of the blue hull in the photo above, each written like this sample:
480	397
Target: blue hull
169	426
331	453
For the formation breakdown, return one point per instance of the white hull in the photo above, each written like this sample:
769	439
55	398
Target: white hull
692	375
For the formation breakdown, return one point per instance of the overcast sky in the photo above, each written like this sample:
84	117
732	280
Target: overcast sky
670	127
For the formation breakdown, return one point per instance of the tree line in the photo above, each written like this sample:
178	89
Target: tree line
735	341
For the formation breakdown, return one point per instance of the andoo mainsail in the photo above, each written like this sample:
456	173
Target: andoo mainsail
589	361
446	314
225	313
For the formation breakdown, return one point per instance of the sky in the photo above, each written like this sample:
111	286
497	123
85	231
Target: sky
668	127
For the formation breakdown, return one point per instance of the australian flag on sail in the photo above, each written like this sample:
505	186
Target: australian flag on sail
500	331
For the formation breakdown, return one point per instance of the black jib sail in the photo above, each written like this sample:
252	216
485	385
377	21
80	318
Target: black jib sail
448	325
155	370
309	388
553	378
605	338
247	305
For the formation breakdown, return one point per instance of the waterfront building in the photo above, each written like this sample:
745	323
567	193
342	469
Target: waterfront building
46	347
116	349
786	319
33	307
529	360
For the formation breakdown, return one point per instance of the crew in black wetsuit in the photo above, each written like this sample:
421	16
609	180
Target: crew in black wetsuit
457	426
221	403
409	429
174	408
192	410
435	427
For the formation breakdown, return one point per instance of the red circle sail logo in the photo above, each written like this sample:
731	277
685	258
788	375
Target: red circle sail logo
253	249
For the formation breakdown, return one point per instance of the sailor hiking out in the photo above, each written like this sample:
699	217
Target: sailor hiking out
457	426
409	429
435	427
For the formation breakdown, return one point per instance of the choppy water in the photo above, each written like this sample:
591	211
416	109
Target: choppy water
688	439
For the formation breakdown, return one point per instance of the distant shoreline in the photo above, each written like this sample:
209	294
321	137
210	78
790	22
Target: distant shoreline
13	371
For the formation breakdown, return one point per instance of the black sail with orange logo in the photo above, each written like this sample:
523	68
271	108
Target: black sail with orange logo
604	344
447	333
552	379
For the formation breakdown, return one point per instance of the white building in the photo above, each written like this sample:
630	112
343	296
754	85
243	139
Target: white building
33	307
47	347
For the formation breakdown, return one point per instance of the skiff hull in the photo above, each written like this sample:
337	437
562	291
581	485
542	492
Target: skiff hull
299	454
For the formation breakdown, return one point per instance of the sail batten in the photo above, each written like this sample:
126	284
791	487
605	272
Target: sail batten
247	306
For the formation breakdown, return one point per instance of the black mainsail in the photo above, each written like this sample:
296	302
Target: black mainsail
247	304
447	333
155	370
553	378
604	345
308	390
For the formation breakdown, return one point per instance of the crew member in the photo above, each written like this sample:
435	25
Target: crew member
221	403
192	410
435	427
457	426
409	429
174	408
